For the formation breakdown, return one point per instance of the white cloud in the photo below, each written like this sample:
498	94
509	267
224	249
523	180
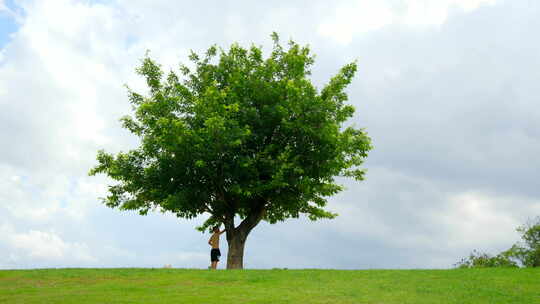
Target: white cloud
57	107
44	245
474	218
17	200
432	222
357	17
42	198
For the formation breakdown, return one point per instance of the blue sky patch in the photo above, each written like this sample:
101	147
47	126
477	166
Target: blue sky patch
8	25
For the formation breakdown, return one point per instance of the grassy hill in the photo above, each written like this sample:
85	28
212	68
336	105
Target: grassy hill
134	285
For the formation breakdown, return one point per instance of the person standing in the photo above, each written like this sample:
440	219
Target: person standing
214	243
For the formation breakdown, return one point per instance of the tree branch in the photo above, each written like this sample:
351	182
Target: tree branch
253	218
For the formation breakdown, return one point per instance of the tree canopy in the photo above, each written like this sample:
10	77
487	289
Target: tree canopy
527	252
237	135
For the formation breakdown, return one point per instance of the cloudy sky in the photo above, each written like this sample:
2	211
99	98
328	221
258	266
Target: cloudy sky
447	89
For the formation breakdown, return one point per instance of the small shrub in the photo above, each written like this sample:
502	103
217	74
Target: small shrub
483	260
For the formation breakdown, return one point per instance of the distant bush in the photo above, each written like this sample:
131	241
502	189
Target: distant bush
525	253
481	260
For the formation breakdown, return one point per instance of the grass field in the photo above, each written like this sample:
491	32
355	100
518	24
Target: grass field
134	285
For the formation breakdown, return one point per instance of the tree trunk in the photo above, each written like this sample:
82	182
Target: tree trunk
236	237
235	256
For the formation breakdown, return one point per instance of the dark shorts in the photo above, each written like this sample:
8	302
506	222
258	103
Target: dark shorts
214	255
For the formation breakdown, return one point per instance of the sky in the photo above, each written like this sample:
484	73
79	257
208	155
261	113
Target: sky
446	89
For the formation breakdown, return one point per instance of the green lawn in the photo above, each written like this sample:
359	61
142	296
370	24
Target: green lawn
133	285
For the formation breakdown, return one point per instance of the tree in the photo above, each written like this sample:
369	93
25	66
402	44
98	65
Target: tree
238	137
527	252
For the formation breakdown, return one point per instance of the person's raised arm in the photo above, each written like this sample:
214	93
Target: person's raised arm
221	232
